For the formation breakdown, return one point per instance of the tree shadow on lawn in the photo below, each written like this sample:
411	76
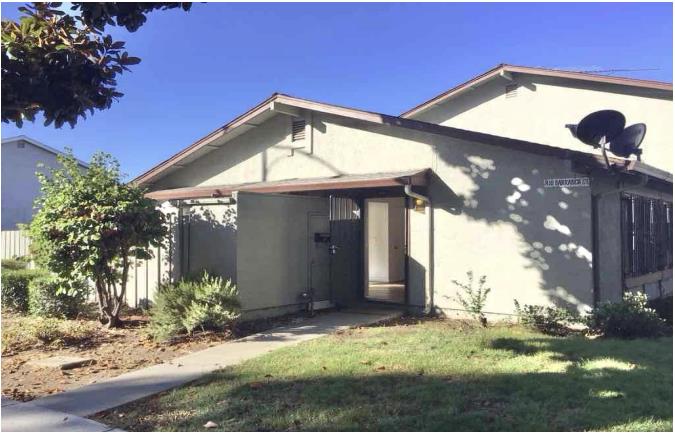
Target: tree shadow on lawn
600	385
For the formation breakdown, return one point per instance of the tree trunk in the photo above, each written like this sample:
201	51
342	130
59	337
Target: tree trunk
113	321
109	300
108	304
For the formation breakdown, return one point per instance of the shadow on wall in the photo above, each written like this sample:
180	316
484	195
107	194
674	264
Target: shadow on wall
539	239
553	224
209	240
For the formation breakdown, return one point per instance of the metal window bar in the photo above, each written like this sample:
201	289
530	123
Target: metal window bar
342	208
647	235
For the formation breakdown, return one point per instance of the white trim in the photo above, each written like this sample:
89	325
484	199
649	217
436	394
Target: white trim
40	145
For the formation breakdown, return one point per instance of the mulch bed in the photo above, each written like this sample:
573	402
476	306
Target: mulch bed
115	352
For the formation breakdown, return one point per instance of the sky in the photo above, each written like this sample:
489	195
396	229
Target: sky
202	68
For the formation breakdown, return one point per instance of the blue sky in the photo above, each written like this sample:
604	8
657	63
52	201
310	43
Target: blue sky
202	68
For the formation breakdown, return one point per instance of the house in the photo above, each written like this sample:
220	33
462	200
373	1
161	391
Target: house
297	196
20	187
531	103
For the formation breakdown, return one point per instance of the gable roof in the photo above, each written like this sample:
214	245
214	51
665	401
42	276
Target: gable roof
40	145
504	70
289	105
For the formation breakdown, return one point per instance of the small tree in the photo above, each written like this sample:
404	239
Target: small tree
92	225
474	301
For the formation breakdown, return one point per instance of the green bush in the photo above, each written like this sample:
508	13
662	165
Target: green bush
663	307
206	302
14	264
474	299
549	320
629	318
15	287
46	298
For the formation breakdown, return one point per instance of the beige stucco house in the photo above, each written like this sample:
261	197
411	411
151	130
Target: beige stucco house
297	196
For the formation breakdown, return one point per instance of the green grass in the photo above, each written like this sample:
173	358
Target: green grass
429	376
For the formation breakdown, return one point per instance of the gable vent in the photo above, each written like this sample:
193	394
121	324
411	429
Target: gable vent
298	130
511	90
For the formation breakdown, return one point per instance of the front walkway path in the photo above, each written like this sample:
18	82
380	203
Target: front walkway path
17	416
128	387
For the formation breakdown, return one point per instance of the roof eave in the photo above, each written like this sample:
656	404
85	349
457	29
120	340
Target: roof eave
287	104
504	70
149	175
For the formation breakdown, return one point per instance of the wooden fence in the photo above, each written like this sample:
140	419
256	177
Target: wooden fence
144	275
14	244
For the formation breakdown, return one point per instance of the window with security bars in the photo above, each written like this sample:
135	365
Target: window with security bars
647	235
343	208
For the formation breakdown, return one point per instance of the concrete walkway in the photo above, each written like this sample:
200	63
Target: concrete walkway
94	398
17	416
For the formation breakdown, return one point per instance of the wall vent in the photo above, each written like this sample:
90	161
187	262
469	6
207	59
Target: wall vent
298	129
511	90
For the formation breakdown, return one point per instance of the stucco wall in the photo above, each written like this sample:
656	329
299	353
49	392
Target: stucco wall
543	106
491	212
20	186
209	238
493	216
272	248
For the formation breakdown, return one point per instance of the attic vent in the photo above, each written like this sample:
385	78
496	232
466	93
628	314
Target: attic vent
511	90
21	144
298	130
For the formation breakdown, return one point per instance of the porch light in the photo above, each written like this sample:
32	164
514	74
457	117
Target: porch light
419	205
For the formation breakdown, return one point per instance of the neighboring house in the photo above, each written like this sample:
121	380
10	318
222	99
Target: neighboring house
358	206
20	158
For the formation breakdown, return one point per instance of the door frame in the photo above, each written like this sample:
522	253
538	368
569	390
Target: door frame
406	250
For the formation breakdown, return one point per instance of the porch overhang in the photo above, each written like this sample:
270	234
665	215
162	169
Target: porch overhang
343	182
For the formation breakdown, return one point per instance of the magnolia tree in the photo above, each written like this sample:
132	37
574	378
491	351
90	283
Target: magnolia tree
57	61
91	225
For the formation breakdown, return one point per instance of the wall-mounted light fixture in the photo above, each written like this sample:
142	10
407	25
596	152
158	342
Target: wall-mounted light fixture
419	204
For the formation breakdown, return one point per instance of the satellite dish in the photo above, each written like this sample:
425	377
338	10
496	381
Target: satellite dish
628	142
599	128
607	127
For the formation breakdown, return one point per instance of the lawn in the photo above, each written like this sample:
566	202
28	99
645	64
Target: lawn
435	375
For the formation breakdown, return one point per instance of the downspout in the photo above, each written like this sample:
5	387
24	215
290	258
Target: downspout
428	305
595	199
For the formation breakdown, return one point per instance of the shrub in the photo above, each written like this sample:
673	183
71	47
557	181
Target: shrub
549	320
14	264
47	298
206	302
25	333
15	287
663	307
474	300
629	318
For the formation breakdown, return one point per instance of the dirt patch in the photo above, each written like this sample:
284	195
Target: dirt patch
115	352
